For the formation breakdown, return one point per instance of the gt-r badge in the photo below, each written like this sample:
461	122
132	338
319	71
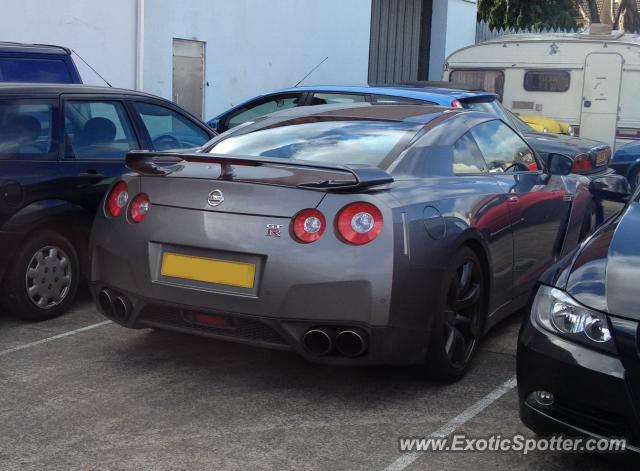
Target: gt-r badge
216	198
274	230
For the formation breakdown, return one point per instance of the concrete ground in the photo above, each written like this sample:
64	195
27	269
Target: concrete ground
112	398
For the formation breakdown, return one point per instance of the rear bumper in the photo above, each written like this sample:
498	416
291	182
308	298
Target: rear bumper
592	396
600	173
386	344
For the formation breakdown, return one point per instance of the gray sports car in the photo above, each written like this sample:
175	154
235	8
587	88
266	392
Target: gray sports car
351	235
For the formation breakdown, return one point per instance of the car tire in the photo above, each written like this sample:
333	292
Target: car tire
44	277
460	323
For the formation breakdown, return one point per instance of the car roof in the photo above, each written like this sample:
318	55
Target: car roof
417	90
418	114
18	88
6	46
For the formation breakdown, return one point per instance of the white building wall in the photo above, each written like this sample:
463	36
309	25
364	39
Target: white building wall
453	27
257	46
102	32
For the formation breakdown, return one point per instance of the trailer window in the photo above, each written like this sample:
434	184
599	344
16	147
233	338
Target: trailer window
547	80
481	79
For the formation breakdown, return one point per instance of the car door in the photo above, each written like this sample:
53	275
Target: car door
98	133
165	128
29	151
260	107
539	203
489	214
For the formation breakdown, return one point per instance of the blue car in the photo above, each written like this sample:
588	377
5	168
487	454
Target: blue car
589	157
340	95
37	63
626	161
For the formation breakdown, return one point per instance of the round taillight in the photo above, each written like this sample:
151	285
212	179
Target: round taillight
118	198
456	104
139	208
308	225
359	223
582	162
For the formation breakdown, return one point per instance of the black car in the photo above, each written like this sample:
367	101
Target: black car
579	350
60	148
37	63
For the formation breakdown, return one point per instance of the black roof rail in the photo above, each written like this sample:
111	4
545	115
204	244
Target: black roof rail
36	45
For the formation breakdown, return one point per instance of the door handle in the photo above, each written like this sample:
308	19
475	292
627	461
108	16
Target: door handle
513	199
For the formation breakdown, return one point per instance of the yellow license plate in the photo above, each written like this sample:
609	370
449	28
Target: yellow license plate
601	158
208	270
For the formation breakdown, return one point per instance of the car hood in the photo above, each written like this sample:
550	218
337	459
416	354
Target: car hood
561	143
603	273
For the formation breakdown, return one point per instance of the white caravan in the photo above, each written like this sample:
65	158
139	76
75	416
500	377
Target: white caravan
589	81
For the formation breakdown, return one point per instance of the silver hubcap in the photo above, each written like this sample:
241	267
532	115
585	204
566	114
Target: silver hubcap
48	277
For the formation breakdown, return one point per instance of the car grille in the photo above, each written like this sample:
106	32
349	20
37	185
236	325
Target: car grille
236	328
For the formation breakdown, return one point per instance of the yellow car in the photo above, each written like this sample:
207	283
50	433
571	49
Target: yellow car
547	125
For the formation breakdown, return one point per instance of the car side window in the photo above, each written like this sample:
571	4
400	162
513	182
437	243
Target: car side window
503	149
26	130
396	100
467	157
262	107
168	129
336	98
98	130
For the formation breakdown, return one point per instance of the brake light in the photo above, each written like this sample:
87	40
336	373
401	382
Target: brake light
117	199
308	225
456	104
582	162
359	223
139	208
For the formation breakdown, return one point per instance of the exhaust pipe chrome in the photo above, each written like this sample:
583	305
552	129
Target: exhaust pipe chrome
121	308
105	301
318	341
352	342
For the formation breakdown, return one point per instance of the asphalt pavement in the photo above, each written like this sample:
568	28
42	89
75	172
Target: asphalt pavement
82	393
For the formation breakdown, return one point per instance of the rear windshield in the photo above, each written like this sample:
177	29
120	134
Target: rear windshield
340	142
14	69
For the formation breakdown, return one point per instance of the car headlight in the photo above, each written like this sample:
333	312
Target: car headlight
557	312
545	130
571	131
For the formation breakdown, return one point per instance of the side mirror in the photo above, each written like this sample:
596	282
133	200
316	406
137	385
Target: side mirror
559	164
214	124
611	188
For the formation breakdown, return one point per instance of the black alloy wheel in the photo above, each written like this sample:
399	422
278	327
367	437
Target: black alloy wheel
457	331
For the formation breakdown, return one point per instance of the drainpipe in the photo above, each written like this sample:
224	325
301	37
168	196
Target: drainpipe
140	46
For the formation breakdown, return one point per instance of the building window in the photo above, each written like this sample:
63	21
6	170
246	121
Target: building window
547	80
481	79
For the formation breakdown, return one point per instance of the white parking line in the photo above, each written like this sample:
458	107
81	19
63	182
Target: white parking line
55	337
447	429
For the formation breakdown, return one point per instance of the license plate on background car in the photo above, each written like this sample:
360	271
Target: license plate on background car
602	157
208	270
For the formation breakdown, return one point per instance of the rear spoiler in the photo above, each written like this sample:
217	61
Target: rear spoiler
291	173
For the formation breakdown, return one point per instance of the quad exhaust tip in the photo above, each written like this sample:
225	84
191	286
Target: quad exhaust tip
121	308
351	342
318	341
105	300
114	305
